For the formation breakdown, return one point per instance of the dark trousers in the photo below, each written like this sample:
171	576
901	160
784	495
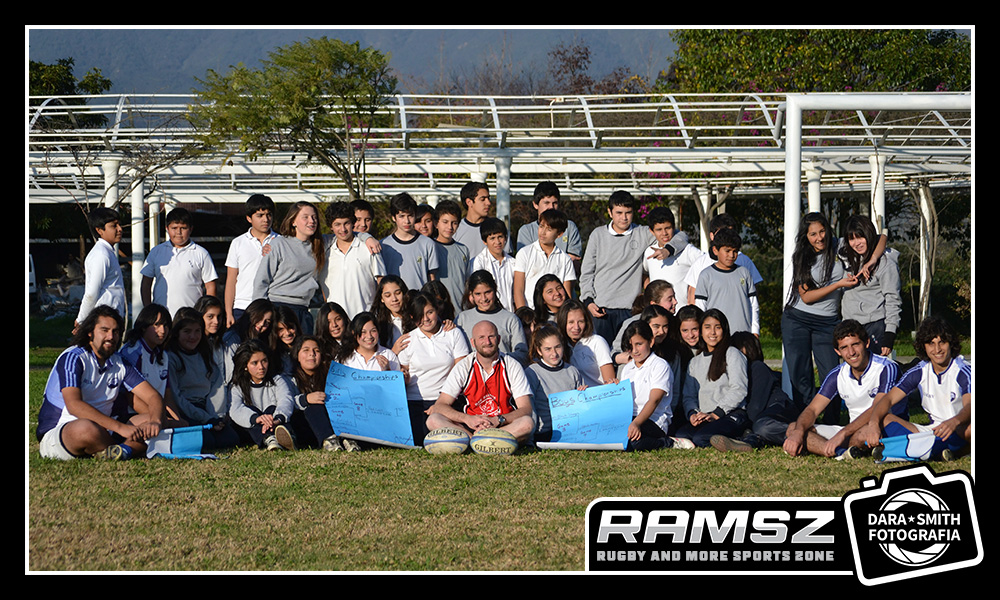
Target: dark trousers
804	336
732	425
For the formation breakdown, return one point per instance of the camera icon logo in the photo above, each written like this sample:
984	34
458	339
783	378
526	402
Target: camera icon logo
914	523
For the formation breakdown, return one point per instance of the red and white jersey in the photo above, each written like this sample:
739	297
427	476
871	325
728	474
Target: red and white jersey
489	393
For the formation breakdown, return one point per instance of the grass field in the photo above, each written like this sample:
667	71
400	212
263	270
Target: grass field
392	510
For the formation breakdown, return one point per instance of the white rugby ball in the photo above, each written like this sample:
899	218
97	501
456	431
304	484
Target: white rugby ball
493	441
446	440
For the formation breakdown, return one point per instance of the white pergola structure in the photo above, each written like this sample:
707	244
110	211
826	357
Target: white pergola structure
650	145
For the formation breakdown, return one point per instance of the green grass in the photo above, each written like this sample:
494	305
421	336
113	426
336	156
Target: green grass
393	510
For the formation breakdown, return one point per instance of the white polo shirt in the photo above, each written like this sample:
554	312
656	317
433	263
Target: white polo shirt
356	361
179	274
502	272
349	278
589	354
245	253
673	269
654	374
430	360
533	262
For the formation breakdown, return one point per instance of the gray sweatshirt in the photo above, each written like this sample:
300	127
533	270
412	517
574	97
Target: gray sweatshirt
280	395
877	298
721	396
611	273
288	273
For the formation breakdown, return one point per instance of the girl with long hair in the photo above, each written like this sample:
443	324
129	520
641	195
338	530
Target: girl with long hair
261	403
482	304
549	296
388	308
549	373
875	301
591	354
287	275
716	386
310	421
198	381
428	359
331	327
145	348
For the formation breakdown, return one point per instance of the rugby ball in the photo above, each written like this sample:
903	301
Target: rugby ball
493	441
446	440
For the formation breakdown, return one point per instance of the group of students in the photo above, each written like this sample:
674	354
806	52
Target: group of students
679	324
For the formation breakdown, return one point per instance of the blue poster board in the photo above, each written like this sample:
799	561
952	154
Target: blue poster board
368	405
594	419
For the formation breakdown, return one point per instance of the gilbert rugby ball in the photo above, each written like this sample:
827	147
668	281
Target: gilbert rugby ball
493	441
446	440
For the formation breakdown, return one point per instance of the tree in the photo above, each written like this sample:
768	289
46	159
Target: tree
58	80
819	60
321	97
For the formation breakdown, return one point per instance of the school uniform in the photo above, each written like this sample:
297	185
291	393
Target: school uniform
569	242
534	263
103	283
453	266
412	260
350	278
589	354
245	254
179	274
673	269
502	271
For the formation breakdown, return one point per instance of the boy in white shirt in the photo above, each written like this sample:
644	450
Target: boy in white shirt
245	253
543	257
103	274
496	260
351	273
177	272
674	268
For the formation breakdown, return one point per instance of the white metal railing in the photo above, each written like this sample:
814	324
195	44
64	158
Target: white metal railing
428	141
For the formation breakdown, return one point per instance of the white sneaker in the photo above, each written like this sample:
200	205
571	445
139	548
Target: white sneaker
332	444
683	443
271	443
350	445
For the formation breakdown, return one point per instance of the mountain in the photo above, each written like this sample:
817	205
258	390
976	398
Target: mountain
166	60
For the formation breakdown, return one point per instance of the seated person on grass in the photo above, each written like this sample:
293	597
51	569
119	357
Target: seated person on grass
861	381
80	396
491	388
944	380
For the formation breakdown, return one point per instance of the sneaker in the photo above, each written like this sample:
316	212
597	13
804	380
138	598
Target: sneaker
332	444
852	452
284	437
271	443
350	445
949	455
877	454
116	452
682	443
728	444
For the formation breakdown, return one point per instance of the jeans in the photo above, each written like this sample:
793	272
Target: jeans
803	336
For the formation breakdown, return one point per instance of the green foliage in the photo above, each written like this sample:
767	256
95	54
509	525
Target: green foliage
59	80
320	97
818	60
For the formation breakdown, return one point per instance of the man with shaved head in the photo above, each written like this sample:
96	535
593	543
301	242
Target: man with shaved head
486	389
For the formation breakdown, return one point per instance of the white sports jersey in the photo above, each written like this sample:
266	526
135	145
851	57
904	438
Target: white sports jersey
77	367
152	364
858	394
940	395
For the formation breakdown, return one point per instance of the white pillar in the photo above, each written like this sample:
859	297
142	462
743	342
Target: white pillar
502	193
154	210
138	255
704	200
877	164
110	164
812	187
